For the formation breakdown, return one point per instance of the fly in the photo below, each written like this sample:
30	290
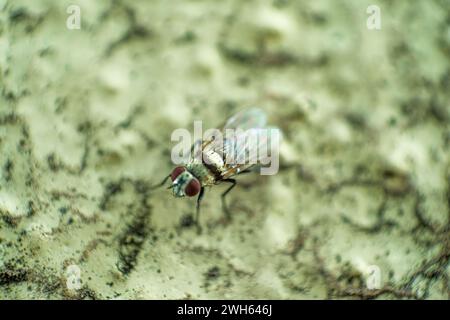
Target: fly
219	158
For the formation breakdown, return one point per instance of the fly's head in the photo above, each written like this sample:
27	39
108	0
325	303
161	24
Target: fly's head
184	183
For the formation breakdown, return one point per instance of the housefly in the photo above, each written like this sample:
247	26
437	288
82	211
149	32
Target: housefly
219	157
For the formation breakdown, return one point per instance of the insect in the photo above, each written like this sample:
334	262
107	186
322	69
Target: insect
215	160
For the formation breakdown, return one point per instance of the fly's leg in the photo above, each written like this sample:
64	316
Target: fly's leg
224	205
197	214
160	184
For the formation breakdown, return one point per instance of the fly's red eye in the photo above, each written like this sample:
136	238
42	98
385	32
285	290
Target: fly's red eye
176	172
192	188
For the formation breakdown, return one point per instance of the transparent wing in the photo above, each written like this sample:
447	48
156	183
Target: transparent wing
243	143
252	118
247	119
245	150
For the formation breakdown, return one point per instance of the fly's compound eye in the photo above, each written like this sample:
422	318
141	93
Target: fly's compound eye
192	188
176	172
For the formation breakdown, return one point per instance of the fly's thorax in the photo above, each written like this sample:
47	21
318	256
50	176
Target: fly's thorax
202	173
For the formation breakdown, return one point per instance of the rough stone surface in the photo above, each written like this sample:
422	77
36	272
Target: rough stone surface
85	123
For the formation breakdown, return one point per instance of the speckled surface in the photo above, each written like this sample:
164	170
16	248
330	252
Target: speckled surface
85	123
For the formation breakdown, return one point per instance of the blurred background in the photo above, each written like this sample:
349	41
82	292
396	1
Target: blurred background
92	90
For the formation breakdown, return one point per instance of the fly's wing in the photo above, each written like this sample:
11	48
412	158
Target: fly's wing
243	142
247	119
247	149
243	120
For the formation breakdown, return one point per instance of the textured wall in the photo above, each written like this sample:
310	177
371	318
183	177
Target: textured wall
85	123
